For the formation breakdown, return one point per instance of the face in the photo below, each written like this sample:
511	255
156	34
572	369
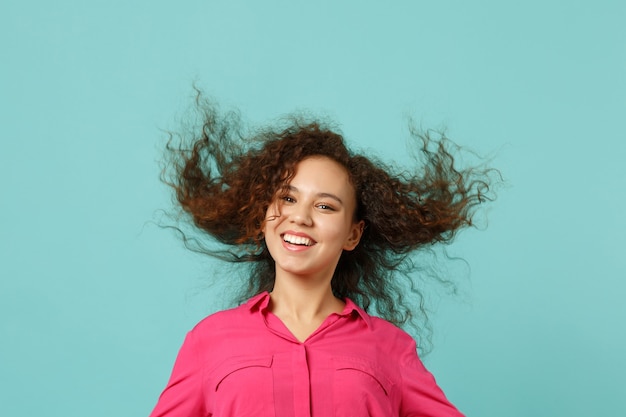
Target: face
309	227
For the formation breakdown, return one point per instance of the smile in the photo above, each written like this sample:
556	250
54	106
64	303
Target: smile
298	240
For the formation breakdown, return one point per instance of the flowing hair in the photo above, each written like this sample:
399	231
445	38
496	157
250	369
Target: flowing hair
226	176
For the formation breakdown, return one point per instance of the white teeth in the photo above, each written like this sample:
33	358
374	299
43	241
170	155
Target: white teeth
297	240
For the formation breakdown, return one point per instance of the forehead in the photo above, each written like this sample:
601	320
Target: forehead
322	174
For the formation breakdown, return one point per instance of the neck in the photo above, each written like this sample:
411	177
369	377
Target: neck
303	300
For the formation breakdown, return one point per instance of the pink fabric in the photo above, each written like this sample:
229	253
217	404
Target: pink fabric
245	362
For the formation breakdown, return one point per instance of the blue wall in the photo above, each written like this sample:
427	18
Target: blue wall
95	300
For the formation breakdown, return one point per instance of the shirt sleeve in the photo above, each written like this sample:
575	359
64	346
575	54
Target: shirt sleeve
421	396
182	397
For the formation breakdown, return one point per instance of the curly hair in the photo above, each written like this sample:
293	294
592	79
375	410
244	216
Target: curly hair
225	177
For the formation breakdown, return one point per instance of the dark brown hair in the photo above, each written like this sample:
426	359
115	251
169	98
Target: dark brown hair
225	177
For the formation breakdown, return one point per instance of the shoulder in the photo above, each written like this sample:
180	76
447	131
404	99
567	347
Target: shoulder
231	323
392	344
385	335
223	318
391	332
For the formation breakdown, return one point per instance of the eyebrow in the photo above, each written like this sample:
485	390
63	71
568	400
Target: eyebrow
324	195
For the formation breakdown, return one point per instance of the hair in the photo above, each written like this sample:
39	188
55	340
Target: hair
226	176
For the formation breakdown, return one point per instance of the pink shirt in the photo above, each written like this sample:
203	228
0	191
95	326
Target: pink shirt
245	362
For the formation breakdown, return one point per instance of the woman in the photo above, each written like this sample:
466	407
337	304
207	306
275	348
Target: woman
327	234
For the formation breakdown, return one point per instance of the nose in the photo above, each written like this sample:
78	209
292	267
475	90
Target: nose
301	215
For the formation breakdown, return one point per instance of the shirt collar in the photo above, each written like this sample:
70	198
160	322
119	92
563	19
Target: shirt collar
261	301
352	307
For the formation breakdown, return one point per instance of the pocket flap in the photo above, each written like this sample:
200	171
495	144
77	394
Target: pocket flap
365	366
235	364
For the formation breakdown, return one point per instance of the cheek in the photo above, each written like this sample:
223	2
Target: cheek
270	214
273	210
272	217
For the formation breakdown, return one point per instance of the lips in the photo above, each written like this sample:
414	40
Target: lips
298	239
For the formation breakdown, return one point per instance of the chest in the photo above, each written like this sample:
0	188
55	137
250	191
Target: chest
300	381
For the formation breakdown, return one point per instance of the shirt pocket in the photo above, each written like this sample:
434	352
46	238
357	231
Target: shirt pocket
243	386
360	388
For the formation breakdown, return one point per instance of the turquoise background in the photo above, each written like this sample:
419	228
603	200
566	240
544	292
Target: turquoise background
95	299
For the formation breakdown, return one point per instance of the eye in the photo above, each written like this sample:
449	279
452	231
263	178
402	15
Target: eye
288	199
324	206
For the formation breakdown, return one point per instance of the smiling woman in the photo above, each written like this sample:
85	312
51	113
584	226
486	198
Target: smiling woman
327	233
307	230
